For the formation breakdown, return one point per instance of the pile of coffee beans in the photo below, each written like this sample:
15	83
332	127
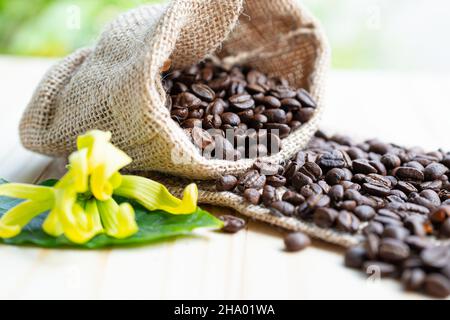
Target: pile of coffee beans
237	112
397	197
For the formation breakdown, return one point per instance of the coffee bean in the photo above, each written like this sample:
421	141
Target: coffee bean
390	161
436	257
335	175
434	171
393	250
293	197
413	279
336	192
437	285
203	91
271	102
232	224
251	179
252	195
300	180
305	99
445	229
363	166
276	180
395	232
275	115
409	173
230	118
334	159
269	195
226	183
364	213
296	241
312	170
347	222
373	227
376	190
355	257
284	207
201	138
325	217
187	100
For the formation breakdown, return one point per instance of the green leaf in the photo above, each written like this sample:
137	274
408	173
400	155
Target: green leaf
153	226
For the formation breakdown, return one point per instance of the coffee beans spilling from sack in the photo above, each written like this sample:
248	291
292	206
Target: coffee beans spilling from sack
397	197
237	112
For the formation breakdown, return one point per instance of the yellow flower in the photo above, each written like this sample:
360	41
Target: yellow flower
81	206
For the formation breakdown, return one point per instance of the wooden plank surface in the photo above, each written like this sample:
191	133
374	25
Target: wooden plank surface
409	109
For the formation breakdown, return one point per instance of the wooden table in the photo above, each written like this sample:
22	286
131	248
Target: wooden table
409	109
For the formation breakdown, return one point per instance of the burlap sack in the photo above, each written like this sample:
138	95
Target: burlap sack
116	85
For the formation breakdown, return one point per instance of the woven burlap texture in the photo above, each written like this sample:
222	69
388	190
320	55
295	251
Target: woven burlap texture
116	85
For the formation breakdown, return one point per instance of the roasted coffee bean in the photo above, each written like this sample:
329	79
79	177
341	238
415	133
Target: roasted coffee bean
347	222
269	195
336	192
415	225
406	187
275	115
325	217
296	241
271	102
437	285
300	180
226	183
413	279
305	99
203	91
252	195
251	179
232	224
436	257
434	171
304	114
393	250
363	166
372	245
355	257
374	227
364	213
284	207
280	129
187	100
276	180
390	161
335	175
445	229
395	232
230	118
191	123
376	190
417	243
310	190
293	197
334	159
312	170
409	173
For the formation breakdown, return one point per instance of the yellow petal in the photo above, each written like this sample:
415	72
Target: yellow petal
26	191
153	195
8	231
94	141
78	169
118	221
17	217
93	217
52	225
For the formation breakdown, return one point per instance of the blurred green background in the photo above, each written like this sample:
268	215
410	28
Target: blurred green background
407	35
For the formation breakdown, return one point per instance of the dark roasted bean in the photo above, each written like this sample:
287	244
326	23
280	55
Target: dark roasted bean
364	213
284	207
363	166
436	257
269	195
409	173
355	257
437	285
293	197
232	224
251	179
296	241
325	217
226	183
336	192
395	232
393	250
252	195
413	279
